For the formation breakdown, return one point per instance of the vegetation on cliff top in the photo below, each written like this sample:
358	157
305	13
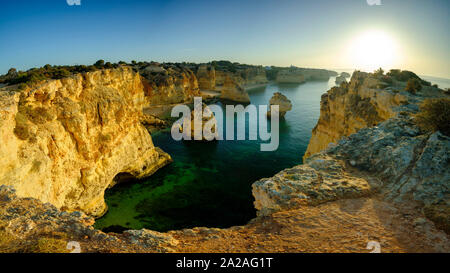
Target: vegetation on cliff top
35	75
434	115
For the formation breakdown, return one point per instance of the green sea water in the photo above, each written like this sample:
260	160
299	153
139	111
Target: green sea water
209	183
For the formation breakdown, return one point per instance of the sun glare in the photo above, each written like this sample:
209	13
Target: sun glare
373	49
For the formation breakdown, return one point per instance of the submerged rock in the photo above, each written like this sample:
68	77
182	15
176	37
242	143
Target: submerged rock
283	103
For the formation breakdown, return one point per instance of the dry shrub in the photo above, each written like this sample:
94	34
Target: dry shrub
434	115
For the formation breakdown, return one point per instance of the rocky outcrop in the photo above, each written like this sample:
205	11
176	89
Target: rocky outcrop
168	83
206	76
231	91
208	129
64	141
349	107
242	74
312	74
290	76
28	225
394	159
284	104
414	166
345	74
366	142
340	79
323	179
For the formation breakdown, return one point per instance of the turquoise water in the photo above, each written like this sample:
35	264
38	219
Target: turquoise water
209	184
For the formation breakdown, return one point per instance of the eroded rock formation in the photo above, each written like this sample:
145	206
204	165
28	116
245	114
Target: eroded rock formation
64	141
349	107
284	104
206	76
208	129
290	76
232	91
168	83
384	153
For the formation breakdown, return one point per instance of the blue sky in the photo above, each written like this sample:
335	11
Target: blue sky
316	33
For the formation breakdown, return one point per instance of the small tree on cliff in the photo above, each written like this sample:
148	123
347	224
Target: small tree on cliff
99	63
434	115
379	72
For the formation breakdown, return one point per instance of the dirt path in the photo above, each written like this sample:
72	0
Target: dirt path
341	226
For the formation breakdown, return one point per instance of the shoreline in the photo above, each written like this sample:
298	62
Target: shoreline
254	86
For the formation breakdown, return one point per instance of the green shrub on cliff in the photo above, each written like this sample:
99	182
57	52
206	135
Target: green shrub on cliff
35	75
413	86
405	75
99	63
379	72
434	116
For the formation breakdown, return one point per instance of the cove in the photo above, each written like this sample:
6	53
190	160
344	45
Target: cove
209	183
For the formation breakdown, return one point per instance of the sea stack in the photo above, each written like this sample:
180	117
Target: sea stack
282	101
208	120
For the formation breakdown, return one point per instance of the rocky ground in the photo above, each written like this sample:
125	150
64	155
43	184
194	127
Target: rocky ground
28	225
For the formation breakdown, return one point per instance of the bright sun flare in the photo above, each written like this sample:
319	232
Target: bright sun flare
373	49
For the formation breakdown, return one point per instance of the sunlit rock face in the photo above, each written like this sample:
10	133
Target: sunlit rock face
284	104
349	107
64	141
395	159
168	83
206	122
231	91
366	142
206	76
340	79
244	76
323	179
290	76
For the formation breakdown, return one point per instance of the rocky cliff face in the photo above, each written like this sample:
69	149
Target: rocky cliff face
366	142
359	104
393	159
245	76
64	141
290	76
168	83
206	76
284	104
232	91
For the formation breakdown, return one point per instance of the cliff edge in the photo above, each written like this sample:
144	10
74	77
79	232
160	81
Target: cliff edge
64	141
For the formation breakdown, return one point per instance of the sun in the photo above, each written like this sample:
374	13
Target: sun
373	49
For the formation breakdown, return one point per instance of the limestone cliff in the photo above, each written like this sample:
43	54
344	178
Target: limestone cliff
168	83
232	91
394	159
364	102
244	76
366	142
290	76
206	76
64	141
284	104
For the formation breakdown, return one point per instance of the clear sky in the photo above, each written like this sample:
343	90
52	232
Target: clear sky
335	34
